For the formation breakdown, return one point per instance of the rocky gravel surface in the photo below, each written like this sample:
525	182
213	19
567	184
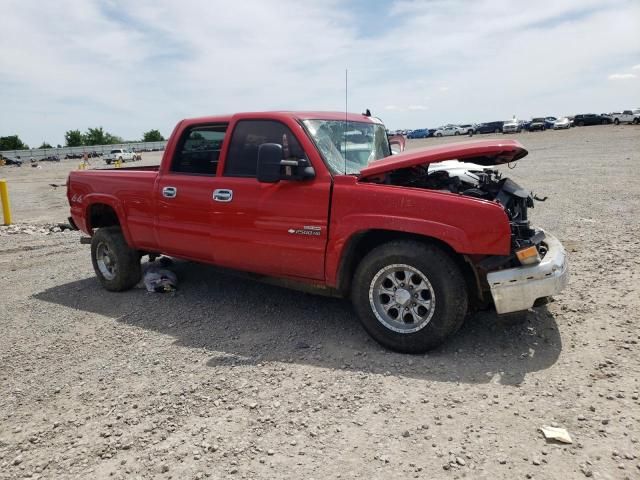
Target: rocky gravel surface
227	378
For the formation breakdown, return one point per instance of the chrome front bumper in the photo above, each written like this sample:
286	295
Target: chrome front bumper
518	288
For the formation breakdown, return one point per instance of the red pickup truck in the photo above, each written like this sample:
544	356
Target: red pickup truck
416	239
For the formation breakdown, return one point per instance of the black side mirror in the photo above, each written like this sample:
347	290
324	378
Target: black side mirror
269	158
272	167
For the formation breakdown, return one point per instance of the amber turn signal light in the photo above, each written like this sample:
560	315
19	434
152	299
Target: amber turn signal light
528	256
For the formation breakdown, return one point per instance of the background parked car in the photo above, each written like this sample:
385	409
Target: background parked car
549	121
11	161
467	128
119	154
626	116
511	126
537	124
489	127
419	133
586	119
448	130
562	123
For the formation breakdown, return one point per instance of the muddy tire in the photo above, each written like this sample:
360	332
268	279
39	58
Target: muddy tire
117	265
409	296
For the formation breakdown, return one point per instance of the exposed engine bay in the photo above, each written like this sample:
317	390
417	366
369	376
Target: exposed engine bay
479	182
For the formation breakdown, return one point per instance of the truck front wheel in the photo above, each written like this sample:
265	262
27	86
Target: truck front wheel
117	265
409	296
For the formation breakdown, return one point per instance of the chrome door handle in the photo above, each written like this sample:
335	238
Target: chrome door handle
222	195
169	192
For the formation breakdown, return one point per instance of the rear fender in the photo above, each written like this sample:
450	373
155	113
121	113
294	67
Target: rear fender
99	198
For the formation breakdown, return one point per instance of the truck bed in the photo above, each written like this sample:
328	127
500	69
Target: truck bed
129	191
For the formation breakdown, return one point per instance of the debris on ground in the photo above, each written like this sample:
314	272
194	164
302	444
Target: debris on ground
35	229
556	433
160	280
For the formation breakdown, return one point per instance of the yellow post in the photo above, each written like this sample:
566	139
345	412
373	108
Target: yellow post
6	207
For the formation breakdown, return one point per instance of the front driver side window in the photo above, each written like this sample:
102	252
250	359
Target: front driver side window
248	135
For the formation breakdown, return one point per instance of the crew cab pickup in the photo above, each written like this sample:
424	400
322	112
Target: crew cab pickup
120	154
626	116
416	239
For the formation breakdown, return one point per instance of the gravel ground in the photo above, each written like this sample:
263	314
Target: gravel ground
228	378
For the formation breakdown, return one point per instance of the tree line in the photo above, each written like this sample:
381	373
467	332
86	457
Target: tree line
76	138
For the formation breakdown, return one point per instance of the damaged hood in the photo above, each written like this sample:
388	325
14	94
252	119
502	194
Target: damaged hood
481	152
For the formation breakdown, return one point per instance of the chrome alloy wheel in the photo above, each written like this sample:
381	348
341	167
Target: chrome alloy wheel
402	298
106	261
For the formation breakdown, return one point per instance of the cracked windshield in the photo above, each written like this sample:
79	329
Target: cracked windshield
348	150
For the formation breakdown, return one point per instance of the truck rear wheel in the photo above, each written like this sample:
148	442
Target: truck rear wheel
117	265
409	296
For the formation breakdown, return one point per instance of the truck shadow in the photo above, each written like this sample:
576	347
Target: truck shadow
244	322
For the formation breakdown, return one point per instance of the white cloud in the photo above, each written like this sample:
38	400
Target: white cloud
636	67
132	66
416	107
621	76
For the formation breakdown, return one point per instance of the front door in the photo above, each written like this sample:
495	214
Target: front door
276	229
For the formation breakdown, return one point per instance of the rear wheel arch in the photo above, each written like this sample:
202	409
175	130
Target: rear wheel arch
102	214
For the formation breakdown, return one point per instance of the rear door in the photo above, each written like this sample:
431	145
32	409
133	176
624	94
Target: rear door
276	229
184	219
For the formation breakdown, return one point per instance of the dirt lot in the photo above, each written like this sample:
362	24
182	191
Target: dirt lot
230	378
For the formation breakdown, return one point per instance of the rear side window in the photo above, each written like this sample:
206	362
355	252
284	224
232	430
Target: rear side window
199	149
248	135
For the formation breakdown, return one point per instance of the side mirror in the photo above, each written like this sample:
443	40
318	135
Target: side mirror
272	167
269	158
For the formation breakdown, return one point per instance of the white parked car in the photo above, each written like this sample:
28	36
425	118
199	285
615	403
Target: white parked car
512	126
121	154
562	123
627	116
467	128
448	130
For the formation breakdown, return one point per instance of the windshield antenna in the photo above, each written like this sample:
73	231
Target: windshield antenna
344	133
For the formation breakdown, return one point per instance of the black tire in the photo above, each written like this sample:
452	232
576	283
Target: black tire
438	134
108	162
456	133
497	130
616	121
581	124
126	261
447	282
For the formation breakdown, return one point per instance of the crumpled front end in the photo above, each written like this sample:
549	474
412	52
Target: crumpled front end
518	288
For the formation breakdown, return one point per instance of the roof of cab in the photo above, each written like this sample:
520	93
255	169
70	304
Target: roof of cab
299	115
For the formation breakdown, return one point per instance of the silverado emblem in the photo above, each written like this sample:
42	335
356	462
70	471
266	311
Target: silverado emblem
306	230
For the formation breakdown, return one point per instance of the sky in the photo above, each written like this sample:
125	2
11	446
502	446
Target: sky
132	66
